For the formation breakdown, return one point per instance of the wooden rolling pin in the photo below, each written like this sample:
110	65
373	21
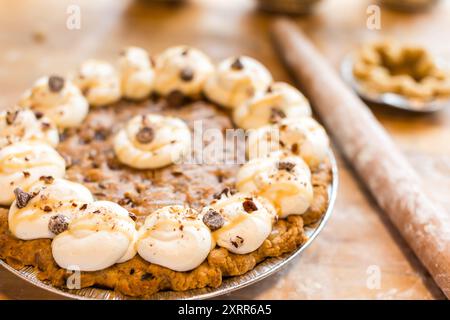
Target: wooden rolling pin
367	146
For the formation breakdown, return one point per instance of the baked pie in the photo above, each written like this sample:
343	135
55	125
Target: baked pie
102	172
407	70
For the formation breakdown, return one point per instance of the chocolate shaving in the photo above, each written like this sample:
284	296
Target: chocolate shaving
187	74
238	241
276	115
58	224
213	220
226	191
145	135
185	52
22	198
47	179
26	174
55	83
83	207
237	64
285	165
47	209
295	148
249	206
45	126
11	116
132	216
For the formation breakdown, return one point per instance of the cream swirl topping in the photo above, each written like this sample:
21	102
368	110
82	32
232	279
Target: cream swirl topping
47	199
174	237
236	80
152	141
242	221
284	180
303	136
100	235
24	163
136	72
182	69
280	101
59	99
23	124
99	82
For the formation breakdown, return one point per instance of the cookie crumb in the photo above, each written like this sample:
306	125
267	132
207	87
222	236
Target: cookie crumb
285	165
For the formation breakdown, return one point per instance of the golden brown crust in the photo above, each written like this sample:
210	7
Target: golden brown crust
407	70
141	192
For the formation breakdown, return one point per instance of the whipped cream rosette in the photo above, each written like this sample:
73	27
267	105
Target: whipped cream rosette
136	73
284	180
101	234
152	141
23	163
99	82
23	124
182	70
236	80
175	237
239	222
45	208
303	137
280	101
59	99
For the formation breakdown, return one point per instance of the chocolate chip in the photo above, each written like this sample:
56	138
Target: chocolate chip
213	220
237	242
11	116
47	209
58	224
176	98
26	174
276	115
237	64
226	192
132	216
187	74
22	198
47	179
38	114
295	148
83	207
249	206
145	135
55	83
285	165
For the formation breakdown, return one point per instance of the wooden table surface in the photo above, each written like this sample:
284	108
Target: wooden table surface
358	240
